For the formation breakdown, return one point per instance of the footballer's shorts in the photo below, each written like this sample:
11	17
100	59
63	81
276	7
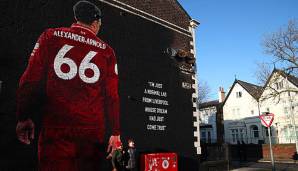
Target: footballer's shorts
70	149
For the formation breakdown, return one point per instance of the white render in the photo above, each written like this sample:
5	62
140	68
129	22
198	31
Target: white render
208	117
241	114
239	108
282	127
241	122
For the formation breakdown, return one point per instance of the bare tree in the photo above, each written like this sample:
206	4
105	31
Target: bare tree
282	46
204	91
263	72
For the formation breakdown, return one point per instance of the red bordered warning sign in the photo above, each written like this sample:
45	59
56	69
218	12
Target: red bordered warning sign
267	119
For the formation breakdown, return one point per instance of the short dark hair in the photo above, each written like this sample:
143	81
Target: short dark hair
86	12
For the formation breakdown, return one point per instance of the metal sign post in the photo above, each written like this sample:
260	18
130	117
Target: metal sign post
266	120
271	152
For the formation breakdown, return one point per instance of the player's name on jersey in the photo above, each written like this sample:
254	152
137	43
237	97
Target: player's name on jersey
79	38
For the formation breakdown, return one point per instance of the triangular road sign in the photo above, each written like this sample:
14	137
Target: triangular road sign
267	119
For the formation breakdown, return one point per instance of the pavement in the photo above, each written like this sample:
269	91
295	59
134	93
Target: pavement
264	166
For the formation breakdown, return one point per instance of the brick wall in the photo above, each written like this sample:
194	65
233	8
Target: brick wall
132	37
169	10
280	151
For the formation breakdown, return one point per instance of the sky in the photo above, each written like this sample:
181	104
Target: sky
229	37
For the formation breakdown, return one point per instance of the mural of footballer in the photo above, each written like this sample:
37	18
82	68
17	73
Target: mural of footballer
76	75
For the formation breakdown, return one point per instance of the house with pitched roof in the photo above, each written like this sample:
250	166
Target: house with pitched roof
280	97
241	110
211	120
245	102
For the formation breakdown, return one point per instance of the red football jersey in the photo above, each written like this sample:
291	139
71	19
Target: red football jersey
77	75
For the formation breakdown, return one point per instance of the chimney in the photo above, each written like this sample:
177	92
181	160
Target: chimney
221	94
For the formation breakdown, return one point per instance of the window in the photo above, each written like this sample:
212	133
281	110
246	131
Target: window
255	131
267	109
209	137
286	133
267	134
292	132
286	110
238	94
203	135
252	112
234	133
241	135
206	119
238	111
279	85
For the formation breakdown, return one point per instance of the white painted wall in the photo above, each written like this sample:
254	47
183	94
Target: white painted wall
281	108
239	108
240	115
208	117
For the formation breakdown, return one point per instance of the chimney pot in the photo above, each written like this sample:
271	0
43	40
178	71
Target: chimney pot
221	94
